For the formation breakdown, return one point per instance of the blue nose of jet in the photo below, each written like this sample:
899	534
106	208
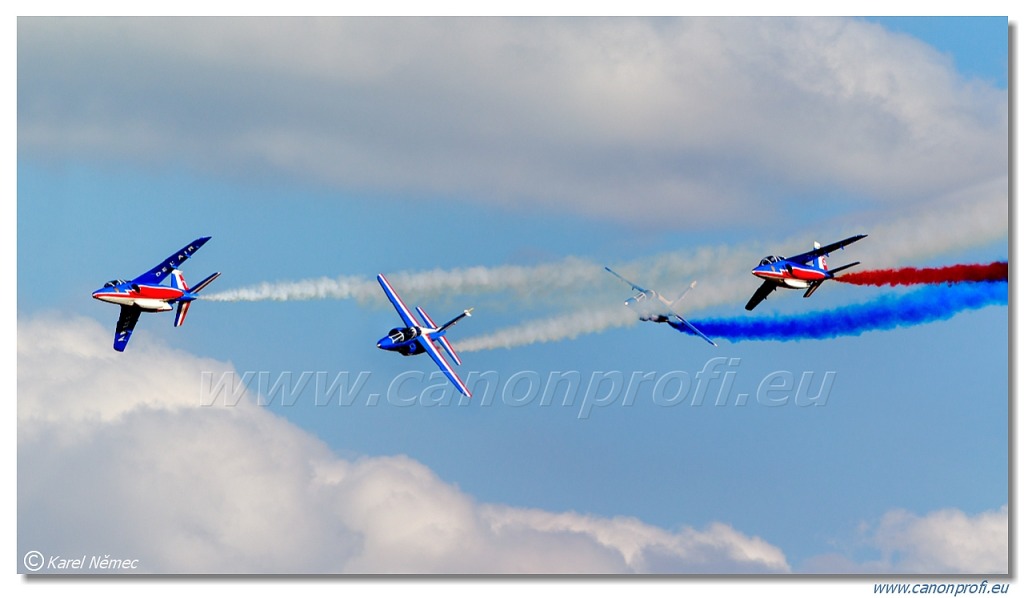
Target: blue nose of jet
386	343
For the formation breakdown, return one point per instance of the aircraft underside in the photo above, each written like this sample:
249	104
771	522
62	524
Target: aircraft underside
149	305
410	349
796	283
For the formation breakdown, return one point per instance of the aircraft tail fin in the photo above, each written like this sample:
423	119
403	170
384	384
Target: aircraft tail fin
820	261
177	278
439	335
676	303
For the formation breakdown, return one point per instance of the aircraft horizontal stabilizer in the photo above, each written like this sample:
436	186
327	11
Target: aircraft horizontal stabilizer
179	317
439	334
841	268
202	284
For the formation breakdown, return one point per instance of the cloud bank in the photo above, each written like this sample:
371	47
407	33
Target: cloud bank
117	457
665	121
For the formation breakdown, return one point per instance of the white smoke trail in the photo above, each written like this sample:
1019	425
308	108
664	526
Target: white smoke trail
974	217
969	218
343	287
549	279
731	288
563	327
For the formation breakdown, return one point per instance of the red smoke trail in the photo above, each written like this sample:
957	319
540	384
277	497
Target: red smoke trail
948	274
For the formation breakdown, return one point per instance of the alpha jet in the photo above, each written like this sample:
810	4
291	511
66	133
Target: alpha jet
146	293
662	310
416	338
805	271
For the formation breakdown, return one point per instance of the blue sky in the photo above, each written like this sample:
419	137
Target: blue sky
312	149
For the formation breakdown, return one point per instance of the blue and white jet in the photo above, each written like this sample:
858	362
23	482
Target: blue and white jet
662	311
415	338
805	271
145	293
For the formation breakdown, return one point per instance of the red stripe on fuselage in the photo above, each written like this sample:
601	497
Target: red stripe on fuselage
156	292
798	273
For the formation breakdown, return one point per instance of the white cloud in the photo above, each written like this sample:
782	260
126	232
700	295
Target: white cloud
621	118
946	541
117	457
648	549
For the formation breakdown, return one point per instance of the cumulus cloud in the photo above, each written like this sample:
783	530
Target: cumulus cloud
943	541
629	119
117	456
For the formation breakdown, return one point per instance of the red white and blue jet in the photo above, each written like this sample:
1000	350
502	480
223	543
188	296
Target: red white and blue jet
416	338
643	303
804	271
145	293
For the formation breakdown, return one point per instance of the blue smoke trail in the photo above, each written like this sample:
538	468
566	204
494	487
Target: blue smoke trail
928	304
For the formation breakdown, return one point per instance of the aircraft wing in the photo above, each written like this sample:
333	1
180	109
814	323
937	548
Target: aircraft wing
804	258
761	294
439	359
694	329
161	270
125	325
635	287
400	307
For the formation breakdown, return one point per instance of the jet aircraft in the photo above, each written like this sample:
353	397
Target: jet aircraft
649	311
145	293
415	338
804	271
